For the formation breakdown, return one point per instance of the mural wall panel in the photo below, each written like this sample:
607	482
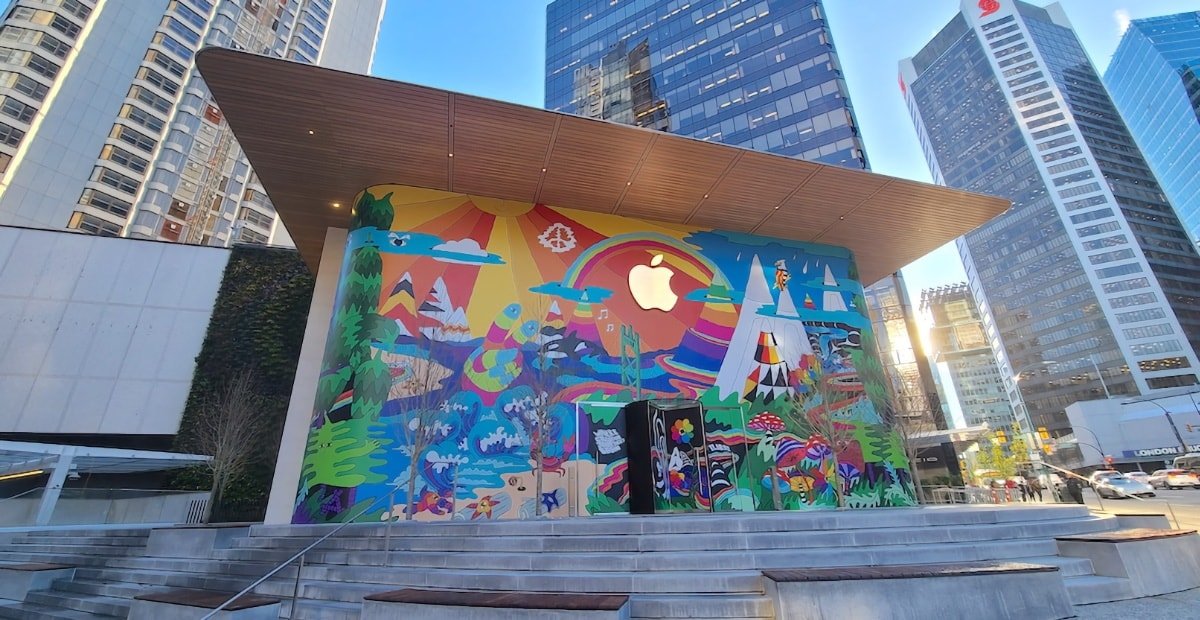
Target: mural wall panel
480	350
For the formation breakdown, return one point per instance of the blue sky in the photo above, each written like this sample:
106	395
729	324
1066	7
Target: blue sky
496	49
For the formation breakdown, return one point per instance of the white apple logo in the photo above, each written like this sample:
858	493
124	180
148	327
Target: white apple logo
651	285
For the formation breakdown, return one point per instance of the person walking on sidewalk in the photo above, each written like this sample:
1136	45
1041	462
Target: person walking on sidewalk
1035	487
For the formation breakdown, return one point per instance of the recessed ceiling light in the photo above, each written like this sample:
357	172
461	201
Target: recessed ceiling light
451	154
706	195
543	169
337	205
311	132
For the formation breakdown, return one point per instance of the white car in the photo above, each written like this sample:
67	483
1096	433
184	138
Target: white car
1119	486
1174	479
1098	476
1140	476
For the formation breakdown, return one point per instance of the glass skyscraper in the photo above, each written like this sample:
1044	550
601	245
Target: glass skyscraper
757	74
1090	264
1153	80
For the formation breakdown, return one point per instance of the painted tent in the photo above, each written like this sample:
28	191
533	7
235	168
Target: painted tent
474	337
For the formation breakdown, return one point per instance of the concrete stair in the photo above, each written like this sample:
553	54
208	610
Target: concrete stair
679	566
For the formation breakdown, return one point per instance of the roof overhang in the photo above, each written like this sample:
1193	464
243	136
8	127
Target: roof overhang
316	137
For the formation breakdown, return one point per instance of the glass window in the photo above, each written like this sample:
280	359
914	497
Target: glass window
18	110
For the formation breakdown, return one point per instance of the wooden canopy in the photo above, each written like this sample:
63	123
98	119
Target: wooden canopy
316	137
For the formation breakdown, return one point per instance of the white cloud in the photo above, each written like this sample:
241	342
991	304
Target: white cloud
1121	16
469	247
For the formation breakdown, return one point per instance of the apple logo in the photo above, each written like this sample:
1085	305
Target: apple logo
651	285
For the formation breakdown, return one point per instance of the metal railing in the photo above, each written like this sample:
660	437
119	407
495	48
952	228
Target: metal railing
299	555
1100	498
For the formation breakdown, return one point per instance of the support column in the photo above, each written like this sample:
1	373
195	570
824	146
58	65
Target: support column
282	500
54	486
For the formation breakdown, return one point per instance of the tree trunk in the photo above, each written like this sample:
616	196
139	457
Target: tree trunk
916	478
537	478
776	496
214	495
412	489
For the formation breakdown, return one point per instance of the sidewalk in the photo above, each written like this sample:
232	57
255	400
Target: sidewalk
1176	606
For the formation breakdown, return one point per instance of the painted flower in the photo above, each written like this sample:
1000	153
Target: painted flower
682	431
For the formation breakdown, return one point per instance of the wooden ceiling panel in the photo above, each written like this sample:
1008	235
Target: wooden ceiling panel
487	160
591	163
368	131
674	178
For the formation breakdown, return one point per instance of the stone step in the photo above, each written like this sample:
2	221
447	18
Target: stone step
666	542
114	541
691	560
71	548
216	567
53	558
1067	567
721	522
113	589
90	603
321	610
195	581
327	584
699	606
35	611
1085	590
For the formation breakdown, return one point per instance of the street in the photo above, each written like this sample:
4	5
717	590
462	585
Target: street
1185	504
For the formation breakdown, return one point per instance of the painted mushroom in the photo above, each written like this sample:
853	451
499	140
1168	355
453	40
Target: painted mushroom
768	423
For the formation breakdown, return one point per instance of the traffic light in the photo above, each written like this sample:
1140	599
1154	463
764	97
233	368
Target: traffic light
1048	448
1108	460
1043	433
1001	437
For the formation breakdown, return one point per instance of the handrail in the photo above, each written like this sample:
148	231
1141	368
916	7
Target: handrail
300	554
23	493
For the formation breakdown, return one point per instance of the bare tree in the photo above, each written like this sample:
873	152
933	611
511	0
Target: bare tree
419	388
229	430
912	424
536	417
837	432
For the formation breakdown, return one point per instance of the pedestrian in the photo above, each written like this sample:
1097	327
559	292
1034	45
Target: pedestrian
1024	488
1035	488
1074	490
1009	489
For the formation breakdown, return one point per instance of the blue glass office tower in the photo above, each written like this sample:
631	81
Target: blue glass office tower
761	74
1090	266
1153	80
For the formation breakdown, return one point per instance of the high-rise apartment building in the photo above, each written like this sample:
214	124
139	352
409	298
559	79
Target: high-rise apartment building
958	340
1091	263
759	74
1154	78
106	127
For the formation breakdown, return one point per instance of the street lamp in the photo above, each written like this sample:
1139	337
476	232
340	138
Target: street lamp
1170	421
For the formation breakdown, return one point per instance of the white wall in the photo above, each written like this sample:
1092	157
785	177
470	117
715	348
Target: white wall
352	32
98	334
1124	430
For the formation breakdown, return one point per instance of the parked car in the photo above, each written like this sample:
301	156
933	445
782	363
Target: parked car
1120	486
1174	479
1140	476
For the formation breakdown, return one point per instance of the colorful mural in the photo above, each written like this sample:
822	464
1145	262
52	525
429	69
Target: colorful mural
481	350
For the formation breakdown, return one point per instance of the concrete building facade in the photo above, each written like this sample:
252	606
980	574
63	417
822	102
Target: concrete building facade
105	126
1087	267
958	340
